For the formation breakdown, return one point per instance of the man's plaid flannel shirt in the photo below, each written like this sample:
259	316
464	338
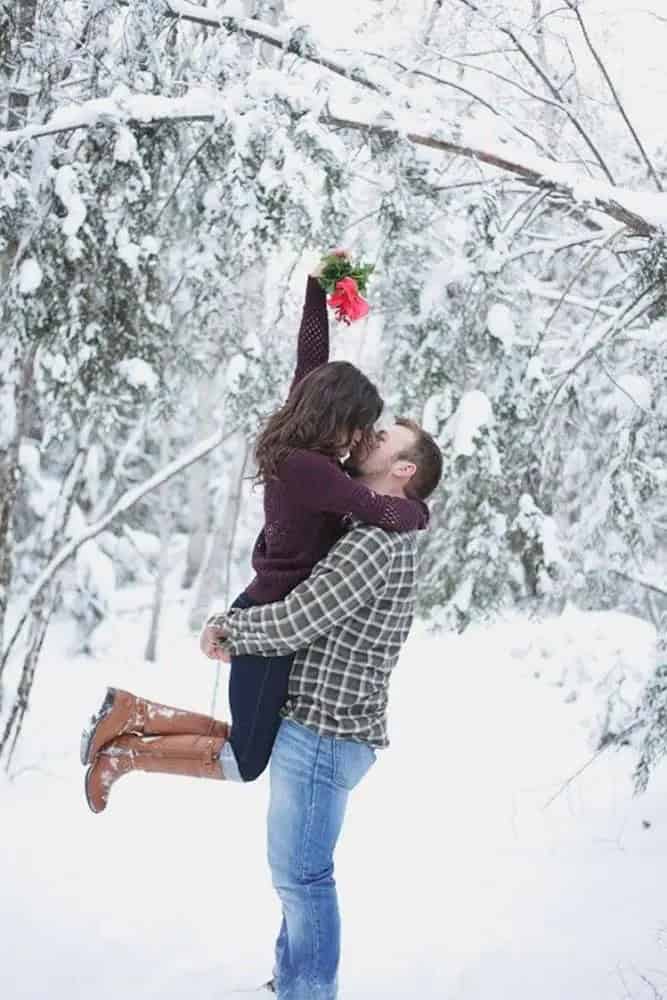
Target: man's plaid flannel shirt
347	621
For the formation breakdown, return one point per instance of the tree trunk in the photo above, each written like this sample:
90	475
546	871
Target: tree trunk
163	560
431	21
41	608
41	616
22	28
198	478
550	115
14	392
215	577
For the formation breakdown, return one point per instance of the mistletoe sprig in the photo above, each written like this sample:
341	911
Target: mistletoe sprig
345	283
337	265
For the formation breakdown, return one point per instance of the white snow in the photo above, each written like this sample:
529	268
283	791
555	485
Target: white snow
633	392
145	544
500	324
436	408
236	369
127	250
456	879
29	459
138	373
96	576
67	189
473	412
30	276
125	149
150	245
57	366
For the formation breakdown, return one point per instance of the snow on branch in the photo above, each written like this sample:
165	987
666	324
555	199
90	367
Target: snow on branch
296	42
642	213
128	500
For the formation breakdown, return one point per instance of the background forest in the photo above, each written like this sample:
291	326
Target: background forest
168	173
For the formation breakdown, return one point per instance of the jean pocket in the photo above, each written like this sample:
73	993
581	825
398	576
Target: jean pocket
352	761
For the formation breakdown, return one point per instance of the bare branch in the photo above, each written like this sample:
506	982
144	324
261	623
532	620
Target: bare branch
624	318
436	11
640	583
574	6
180	180
621	388
551	87
591	760
413	71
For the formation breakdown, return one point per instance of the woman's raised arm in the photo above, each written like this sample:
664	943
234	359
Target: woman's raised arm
313	343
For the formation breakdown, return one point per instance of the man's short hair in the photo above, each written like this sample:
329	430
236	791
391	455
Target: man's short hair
426	455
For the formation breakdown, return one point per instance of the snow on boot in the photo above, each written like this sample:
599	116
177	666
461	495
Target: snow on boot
192	756
122	712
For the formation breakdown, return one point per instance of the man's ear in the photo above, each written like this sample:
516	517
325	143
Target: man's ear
404	470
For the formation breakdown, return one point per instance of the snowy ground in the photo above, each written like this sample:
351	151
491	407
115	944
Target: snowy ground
456	882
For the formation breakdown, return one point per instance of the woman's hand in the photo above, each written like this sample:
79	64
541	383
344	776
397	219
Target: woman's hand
209	643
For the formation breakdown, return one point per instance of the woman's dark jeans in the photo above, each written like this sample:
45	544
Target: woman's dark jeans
257	692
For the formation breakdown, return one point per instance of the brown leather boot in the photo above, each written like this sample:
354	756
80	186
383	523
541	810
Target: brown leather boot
122	712
192	756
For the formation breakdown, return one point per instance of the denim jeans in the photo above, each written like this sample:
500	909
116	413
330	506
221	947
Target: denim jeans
311	778
257	692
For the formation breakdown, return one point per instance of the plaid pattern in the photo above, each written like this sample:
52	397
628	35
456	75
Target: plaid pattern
348	621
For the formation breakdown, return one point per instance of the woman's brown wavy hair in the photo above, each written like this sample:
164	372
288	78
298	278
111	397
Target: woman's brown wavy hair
321	414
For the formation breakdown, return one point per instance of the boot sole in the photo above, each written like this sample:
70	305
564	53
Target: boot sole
90	805
88	735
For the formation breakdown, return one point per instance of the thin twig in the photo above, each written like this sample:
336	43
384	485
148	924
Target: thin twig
574	6
553	90
621	388
180	180
591	760
640	583
413	71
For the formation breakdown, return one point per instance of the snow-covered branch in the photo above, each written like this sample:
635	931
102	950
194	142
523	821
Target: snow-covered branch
642	213
282	38
128	500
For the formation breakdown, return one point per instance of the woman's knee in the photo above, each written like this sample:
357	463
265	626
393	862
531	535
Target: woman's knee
253	768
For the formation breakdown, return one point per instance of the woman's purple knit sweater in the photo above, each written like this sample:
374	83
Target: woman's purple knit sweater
305	507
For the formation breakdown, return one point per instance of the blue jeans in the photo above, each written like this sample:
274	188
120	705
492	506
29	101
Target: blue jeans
257	692
311	778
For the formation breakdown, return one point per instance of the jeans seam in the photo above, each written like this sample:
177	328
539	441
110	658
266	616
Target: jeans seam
302	868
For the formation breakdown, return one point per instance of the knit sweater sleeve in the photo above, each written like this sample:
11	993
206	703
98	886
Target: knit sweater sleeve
313	343
317	483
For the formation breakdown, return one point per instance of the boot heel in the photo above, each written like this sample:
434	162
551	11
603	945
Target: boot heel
89	732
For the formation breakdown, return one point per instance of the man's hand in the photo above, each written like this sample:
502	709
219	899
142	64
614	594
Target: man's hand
209	643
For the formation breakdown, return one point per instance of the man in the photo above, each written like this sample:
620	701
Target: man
348	620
